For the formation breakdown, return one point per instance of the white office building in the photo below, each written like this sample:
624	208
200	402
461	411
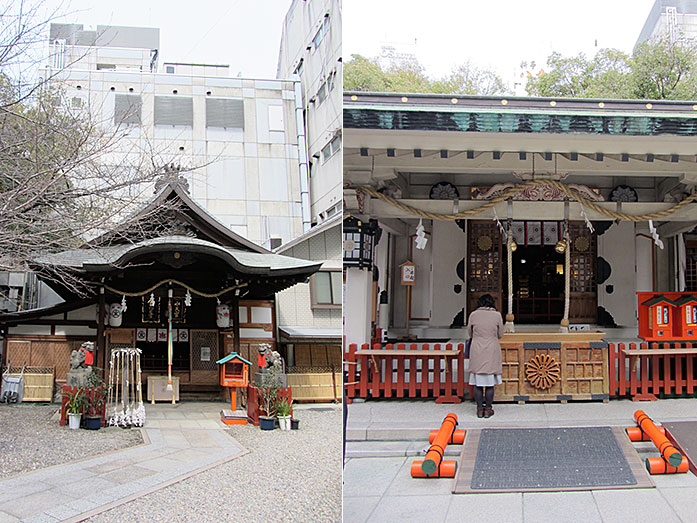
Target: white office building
676	19
240	136
311	52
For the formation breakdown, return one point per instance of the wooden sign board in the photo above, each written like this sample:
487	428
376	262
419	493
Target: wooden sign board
408	273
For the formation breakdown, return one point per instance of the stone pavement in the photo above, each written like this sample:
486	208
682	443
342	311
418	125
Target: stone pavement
384	436
180	441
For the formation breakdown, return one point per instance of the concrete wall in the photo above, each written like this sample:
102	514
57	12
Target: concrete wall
321	66
248	178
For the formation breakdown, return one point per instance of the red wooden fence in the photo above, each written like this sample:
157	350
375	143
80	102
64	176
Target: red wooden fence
425	372
645	377
254	409
422	372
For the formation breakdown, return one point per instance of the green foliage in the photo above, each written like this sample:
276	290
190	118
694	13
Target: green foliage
365	74
658	69
283	407
76	401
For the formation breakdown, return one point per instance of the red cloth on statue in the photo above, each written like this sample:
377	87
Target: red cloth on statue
262	361
89	357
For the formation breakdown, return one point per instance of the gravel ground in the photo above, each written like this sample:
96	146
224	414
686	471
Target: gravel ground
30	439
287	476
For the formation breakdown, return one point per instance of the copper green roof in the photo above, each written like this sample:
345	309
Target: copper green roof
686	299
419	112
233	356
658	299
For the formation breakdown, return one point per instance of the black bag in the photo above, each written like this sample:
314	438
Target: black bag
468	342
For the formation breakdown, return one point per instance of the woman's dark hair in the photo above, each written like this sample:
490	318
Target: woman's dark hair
486	300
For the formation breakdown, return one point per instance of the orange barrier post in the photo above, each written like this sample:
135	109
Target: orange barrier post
667	450
446	469
435	454
659	466
636	434
458	437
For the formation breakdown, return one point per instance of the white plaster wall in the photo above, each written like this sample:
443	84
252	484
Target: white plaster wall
357	294
617	246
449	247
644	264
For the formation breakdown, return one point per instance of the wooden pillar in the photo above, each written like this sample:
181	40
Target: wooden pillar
236	323
101	340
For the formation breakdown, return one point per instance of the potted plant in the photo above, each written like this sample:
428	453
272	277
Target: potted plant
268	397
284	406
74	407
95	398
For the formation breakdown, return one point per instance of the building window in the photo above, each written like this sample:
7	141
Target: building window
107	67
275	243
325	289
331	148
321	33
169	69
76	102
322	94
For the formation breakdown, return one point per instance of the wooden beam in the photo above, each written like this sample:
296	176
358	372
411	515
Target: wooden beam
530	210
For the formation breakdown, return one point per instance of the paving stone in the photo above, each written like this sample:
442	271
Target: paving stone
357	509
569	507
62	512
683	501
412	508
493	507
368	479
41	518
620	506
126	474
69	477
84	487
34	504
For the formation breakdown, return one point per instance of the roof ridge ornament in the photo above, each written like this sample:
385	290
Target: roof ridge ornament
171	176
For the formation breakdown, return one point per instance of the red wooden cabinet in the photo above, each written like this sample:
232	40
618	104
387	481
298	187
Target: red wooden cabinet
663	316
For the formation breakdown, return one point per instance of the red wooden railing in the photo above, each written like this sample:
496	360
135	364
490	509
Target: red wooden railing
72	390
645	377
427	373
254	409
642	377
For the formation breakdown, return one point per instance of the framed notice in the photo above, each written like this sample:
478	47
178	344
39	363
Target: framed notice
205	354
408	273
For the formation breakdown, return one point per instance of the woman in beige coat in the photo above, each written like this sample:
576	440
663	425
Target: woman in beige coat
485	327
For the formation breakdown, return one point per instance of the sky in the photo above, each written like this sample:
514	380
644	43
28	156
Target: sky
246	34
494	34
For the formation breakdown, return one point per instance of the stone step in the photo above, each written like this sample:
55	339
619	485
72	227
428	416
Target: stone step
392	449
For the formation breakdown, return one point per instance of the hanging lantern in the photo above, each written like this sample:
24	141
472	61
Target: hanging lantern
359	239
222	316
115	314
514	245
561	245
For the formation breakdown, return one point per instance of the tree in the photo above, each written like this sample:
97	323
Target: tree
657	69
365	74
64	175
604	76
662	69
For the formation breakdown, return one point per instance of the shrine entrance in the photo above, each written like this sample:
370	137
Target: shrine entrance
538	271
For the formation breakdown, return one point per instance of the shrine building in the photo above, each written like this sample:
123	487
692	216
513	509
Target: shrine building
118	290
561	209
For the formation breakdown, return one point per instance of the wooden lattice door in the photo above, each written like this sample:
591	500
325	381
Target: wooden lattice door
483	274
583	307
203	354
691	267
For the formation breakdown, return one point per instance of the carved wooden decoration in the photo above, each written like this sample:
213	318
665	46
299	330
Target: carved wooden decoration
484	243
542	371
